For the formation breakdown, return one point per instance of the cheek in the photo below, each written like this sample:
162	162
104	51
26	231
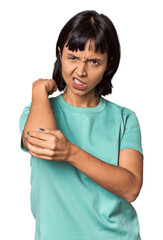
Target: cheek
66	70
97	76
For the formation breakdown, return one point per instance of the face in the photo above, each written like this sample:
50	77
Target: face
83	70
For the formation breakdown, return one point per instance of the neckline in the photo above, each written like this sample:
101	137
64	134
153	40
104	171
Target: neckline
70	107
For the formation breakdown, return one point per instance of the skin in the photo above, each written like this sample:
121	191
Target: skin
124	180
87	66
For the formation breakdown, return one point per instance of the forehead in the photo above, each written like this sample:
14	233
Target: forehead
89	50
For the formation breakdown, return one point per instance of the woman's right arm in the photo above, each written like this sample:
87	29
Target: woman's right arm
41	114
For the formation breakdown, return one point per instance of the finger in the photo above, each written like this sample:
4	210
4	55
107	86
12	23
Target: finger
40	151
52	131
53	86
43	135
52	91
50	84
45	157
41	143
41	156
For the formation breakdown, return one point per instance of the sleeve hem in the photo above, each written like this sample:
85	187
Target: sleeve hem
132	147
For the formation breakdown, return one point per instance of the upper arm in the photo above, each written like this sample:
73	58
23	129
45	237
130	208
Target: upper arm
131	137
130	151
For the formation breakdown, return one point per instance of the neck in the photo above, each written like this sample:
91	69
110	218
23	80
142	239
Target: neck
81	101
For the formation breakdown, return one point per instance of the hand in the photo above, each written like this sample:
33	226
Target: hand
48	84
48	144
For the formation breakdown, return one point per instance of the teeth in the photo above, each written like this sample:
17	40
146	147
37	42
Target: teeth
78	82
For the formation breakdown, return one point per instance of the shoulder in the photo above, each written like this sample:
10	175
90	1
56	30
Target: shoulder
54	100
118	109
25	110
122	114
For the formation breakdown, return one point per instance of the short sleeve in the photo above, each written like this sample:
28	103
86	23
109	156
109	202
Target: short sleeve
131	137
22	121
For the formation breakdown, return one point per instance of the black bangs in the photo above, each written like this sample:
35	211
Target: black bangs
78	43
78	37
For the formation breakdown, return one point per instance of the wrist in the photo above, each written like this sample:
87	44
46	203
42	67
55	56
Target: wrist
39	93
72	156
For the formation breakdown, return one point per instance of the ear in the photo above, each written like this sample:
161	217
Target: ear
59	50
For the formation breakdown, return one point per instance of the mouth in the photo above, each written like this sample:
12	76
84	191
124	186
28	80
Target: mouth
77	81
78	84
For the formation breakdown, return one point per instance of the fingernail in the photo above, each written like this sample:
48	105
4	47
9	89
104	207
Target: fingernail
28	132
26	138
26	144
41	129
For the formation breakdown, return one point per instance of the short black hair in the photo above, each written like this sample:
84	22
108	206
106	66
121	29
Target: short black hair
78	30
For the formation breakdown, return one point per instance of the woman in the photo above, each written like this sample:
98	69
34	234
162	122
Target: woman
86	154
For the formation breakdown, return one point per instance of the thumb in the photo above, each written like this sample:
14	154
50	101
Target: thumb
51	131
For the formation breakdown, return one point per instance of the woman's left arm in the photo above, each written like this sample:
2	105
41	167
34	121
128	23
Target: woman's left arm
124	180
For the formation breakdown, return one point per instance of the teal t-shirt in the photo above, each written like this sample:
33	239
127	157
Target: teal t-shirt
68	205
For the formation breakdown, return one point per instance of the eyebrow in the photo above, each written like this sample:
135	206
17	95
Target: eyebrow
88	59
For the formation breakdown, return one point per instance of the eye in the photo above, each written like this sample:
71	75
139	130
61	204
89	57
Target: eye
94	62
72	57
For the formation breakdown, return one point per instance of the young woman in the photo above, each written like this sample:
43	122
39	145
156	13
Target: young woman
86	153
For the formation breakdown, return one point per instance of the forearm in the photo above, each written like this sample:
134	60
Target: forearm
114	179
41	114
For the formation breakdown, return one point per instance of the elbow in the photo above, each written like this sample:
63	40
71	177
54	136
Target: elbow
131	197
133	193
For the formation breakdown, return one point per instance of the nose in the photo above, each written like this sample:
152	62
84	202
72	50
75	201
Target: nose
81	69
